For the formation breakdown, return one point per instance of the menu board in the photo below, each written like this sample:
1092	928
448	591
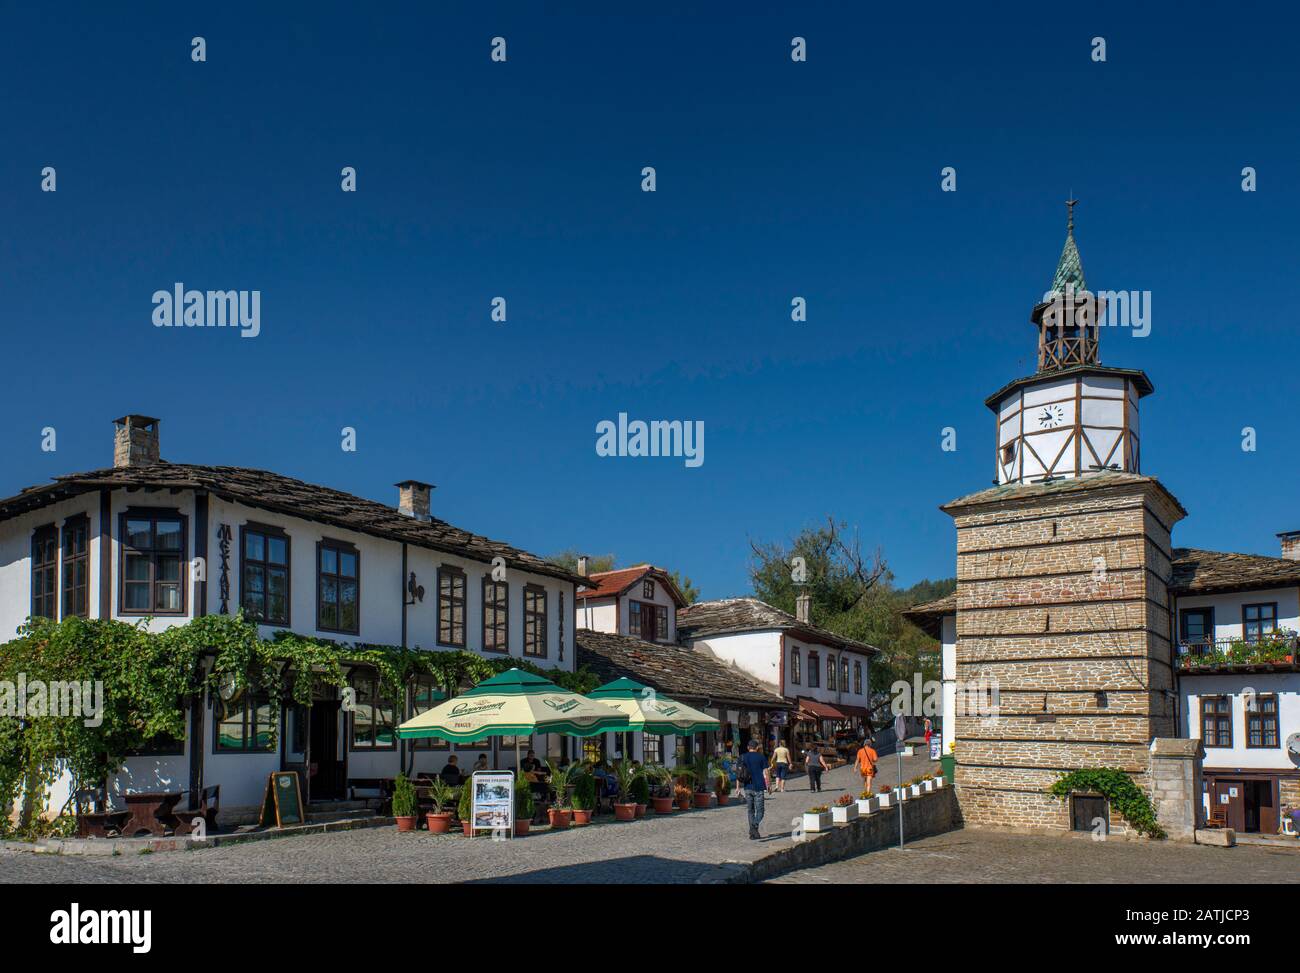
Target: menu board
493	802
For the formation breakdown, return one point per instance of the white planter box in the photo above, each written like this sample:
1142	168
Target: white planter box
868	805
884	800
940	782
927	785
902	793
843	814
817	822
916	790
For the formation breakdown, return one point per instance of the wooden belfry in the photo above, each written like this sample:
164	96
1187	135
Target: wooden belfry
1068	319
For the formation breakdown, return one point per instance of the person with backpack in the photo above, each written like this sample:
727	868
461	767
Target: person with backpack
751	772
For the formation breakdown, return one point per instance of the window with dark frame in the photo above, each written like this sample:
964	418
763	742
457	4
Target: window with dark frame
45	572
634	618
844	674
535	621
857	678
374	718
264	574
76	567
245	724
661	623
1258	621
496	615
1216	721
830	672
162	745
338	588
795	675
648	589
153	563
652	748
451	606
1196	625
814	671
1261	723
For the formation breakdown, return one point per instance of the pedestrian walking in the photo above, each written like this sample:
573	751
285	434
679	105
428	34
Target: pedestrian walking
780	766
815	764
866	764
752	774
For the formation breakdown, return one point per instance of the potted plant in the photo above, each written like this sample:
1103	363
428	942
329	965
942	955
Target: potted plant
661	795
559	813
844	810
817	818
884	797
442	794
464	810
404	804
524	805
640	794
682	795
584	798
914	787
625	776
939	780
867	802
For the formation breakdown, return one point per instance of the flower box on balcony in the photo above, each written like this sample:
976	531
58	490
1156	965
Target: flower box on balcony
844	813
884	799
868	805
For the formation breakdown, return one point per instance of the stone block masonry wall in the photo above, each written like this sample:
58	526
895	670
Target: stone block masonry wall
1062	602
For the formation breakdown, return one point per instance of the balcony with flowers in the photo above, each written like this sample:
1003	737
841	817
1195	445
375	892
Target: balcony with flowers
1271	652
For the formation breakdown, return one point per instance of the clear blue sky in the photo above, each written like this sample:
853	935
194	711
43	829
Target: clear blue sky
522	179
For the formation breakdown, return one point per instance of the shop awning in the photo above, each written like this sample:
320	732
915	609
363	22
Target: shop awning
820	711
861	712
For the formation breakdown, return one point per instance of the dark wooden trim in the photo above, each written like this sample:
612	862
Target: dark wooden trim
201	550
536	589
44	534
105	553
197	707
346	548
1200	704
402	585
1257	604
73	522
504	604
250	701
371	676
1263	722
452	571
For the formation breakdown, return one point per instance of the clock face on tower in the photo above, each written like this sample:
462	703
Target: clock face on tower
1050	416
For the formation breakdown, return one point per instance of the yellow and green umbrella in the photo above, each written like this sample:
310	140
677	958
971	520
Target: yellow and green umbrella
649	712
514	703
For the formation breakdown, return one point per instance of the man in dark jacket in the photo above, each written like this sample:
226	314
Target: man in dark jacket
752	771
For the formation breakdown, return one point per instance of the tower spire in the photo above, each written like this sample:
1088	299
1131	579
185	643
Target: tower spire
1069	269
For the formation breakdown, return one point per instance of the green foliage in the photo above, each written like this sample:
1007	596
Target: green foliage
627	776
441	793
524	803
403	797
584	792
660	779
464	808
561	781
1124	794
640	789
596	564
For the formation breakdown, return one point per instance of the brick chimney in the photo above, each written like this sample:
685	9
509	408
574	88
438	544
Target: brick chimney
135	441
584	563
803	608
1290	544
413	498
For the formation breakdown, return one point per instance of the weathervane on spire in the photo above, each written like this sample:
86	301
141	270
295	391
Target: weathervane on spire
1070	204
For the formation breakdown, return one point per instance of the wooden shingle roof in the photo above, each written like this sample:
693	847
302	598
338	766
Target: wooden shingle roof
729	616
296	498
928	617
671	669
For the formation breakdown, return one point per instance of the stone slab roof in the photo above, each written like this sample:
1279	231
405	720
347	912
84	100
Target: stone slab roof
1198	571
285	495
928	616
729	616
671	669
1101	480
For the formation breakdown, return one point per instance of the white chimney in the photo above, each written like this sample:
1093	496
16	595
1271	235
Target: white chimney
803	608
413	498
583	564
135	441
1291	544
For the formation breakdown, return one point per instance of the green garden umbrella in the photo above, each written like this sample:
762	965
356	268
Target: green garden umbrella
649	712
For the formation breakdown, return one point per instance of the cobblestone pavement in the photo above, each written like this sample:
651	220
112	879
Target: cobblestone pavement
676	848
975	855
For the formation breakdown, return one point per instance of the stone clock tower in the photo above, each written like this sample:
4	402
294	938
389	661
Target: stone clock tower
1074	415
1063	624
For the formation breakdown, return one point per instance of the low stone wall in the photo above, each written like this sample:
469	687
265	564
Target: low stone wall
929	814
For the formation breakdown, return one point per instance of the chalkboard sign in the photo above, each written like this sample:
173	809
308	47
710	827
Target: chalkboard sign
282	803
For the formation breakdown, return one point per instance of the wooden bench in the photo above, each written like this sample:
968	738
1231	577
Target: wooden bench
93	820
384	785
205	808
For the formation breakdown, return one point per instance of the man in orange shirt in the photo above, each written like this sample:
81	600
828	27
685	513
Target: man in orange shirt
866	764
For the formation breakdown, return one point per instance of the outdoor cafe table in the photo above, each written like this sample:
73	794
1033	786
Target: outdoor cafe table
151	812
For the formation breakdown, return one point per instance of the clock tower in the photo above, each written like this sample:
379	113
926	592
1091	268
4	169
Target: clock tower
1074	416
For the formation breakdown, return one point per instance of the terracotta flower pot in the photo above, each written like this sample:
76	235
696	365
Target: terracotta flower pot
703	799
407	822
684	803
624	812
640	810
559	819
521	828
663	805
465	827
439	823
581	817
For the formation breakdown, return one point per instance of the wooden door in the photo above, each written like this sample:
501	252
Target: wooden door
1229	796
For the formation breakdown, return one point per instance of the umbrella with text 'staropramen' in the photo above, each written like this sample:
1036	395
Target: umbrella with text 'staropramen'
513	703
649	712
